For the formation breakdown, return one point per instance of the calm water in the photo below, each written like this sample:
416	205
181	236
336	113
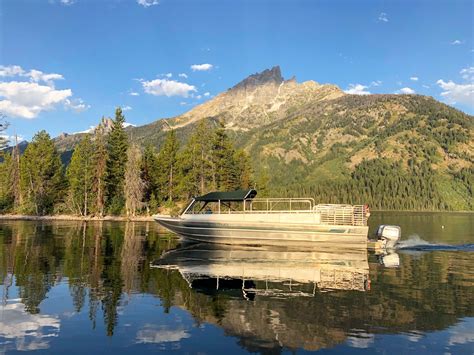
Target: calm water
131	288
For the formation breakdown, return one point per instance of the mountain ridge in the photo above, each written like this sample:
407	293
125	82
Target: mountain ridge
307	135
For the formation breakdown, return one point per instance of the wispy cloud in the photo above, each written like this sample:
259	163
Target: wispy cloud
357	89
414	78
148	3
77	105
183	75
201	67
376	83
207	94
67	2
126	108
165	87
405	91
134	93
382	17
457	42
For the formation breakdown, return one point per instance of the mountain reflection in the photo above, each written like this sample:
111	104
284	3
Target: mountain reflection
267	298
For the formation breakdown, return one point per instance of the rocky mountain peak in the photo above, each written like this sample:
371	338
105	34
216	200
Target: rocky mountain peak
272	75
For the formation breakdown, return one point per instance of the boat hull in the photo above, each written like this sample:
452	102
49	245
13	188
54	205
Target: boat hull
261	233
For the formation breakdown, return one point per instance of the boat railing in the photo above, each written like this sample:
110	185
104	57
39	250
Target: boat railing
278	204
334	214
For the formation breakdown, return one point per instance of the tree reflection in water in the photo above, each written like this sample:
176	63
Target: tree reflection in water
268	299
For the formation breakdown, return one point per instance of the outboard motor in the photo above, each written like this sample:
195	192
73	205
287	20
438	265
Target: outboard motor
388	235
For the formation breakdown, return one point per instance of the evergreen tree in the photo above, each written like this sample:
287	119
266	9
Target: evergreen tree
3	127
244	170
117	145
195	163
42	177
134	184
168	163
149	168
100	169
80	174
6	196
224	174
15	176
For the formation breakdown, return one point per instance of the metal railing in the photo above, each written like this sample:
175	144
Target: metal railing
278	204
342	214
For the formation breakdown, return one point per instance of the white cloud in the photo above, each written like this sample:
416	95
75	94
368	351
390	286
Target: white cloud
169	75
467	73
457	93
406	91
199	97
183	103
426	86
133	93
164	87
126	108
148	3
383	17
201	67
357	89
27	100
414	78
34	75
11	70
77	105
207	94
67	2
457	42
182	75
376	83
463	93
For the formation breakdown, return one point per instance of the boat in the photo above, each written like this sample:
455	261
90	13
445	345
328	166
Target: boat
239	217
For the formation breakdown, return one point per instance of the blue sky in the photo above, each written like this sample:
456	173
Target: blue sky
67	63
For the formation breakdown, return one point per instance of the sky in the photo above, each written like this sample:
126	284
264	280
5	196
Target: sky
64	64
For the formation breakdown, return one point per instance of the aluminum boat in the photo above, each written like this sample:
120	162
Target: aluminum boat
238	217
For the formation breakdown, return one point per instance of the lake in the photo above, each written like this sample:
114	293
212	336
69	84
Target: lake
121	287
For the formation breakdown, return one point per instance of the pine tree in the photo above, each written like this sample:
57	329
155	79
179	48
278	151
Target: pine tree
80	174
195	163
42	176
168	162
15	176
134	184
244	169
117	145
6	196
224	174
149	168
3	127
100	169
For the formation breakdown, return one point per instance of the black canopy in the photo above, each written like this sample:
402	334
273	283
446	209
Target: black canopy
237	195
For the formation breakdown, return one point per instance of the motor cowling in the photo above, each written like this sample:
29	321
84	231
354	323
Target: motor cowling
389	235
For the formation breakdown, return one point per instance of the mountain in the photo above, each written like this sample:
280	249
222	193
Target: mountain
314	139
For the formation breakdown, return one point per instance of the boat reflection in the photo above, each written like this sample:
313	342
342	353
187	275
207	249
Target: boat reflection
269	271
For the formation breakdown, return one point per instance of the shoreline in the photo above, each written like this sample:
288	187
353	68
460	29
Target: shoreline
19	217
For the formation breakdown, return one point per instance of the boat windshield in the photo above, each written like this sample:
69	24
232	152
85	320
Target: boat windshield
215	207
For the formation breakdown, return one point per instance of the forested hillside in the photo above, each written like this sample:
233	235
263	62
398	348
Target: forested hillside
407	152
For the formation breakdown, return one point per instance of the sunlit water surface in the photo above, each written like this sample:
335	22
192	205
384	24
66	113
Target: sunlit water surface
131	287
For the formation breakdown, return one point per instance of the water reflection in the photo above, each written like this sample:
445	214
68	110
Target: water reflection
130	282
267	270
